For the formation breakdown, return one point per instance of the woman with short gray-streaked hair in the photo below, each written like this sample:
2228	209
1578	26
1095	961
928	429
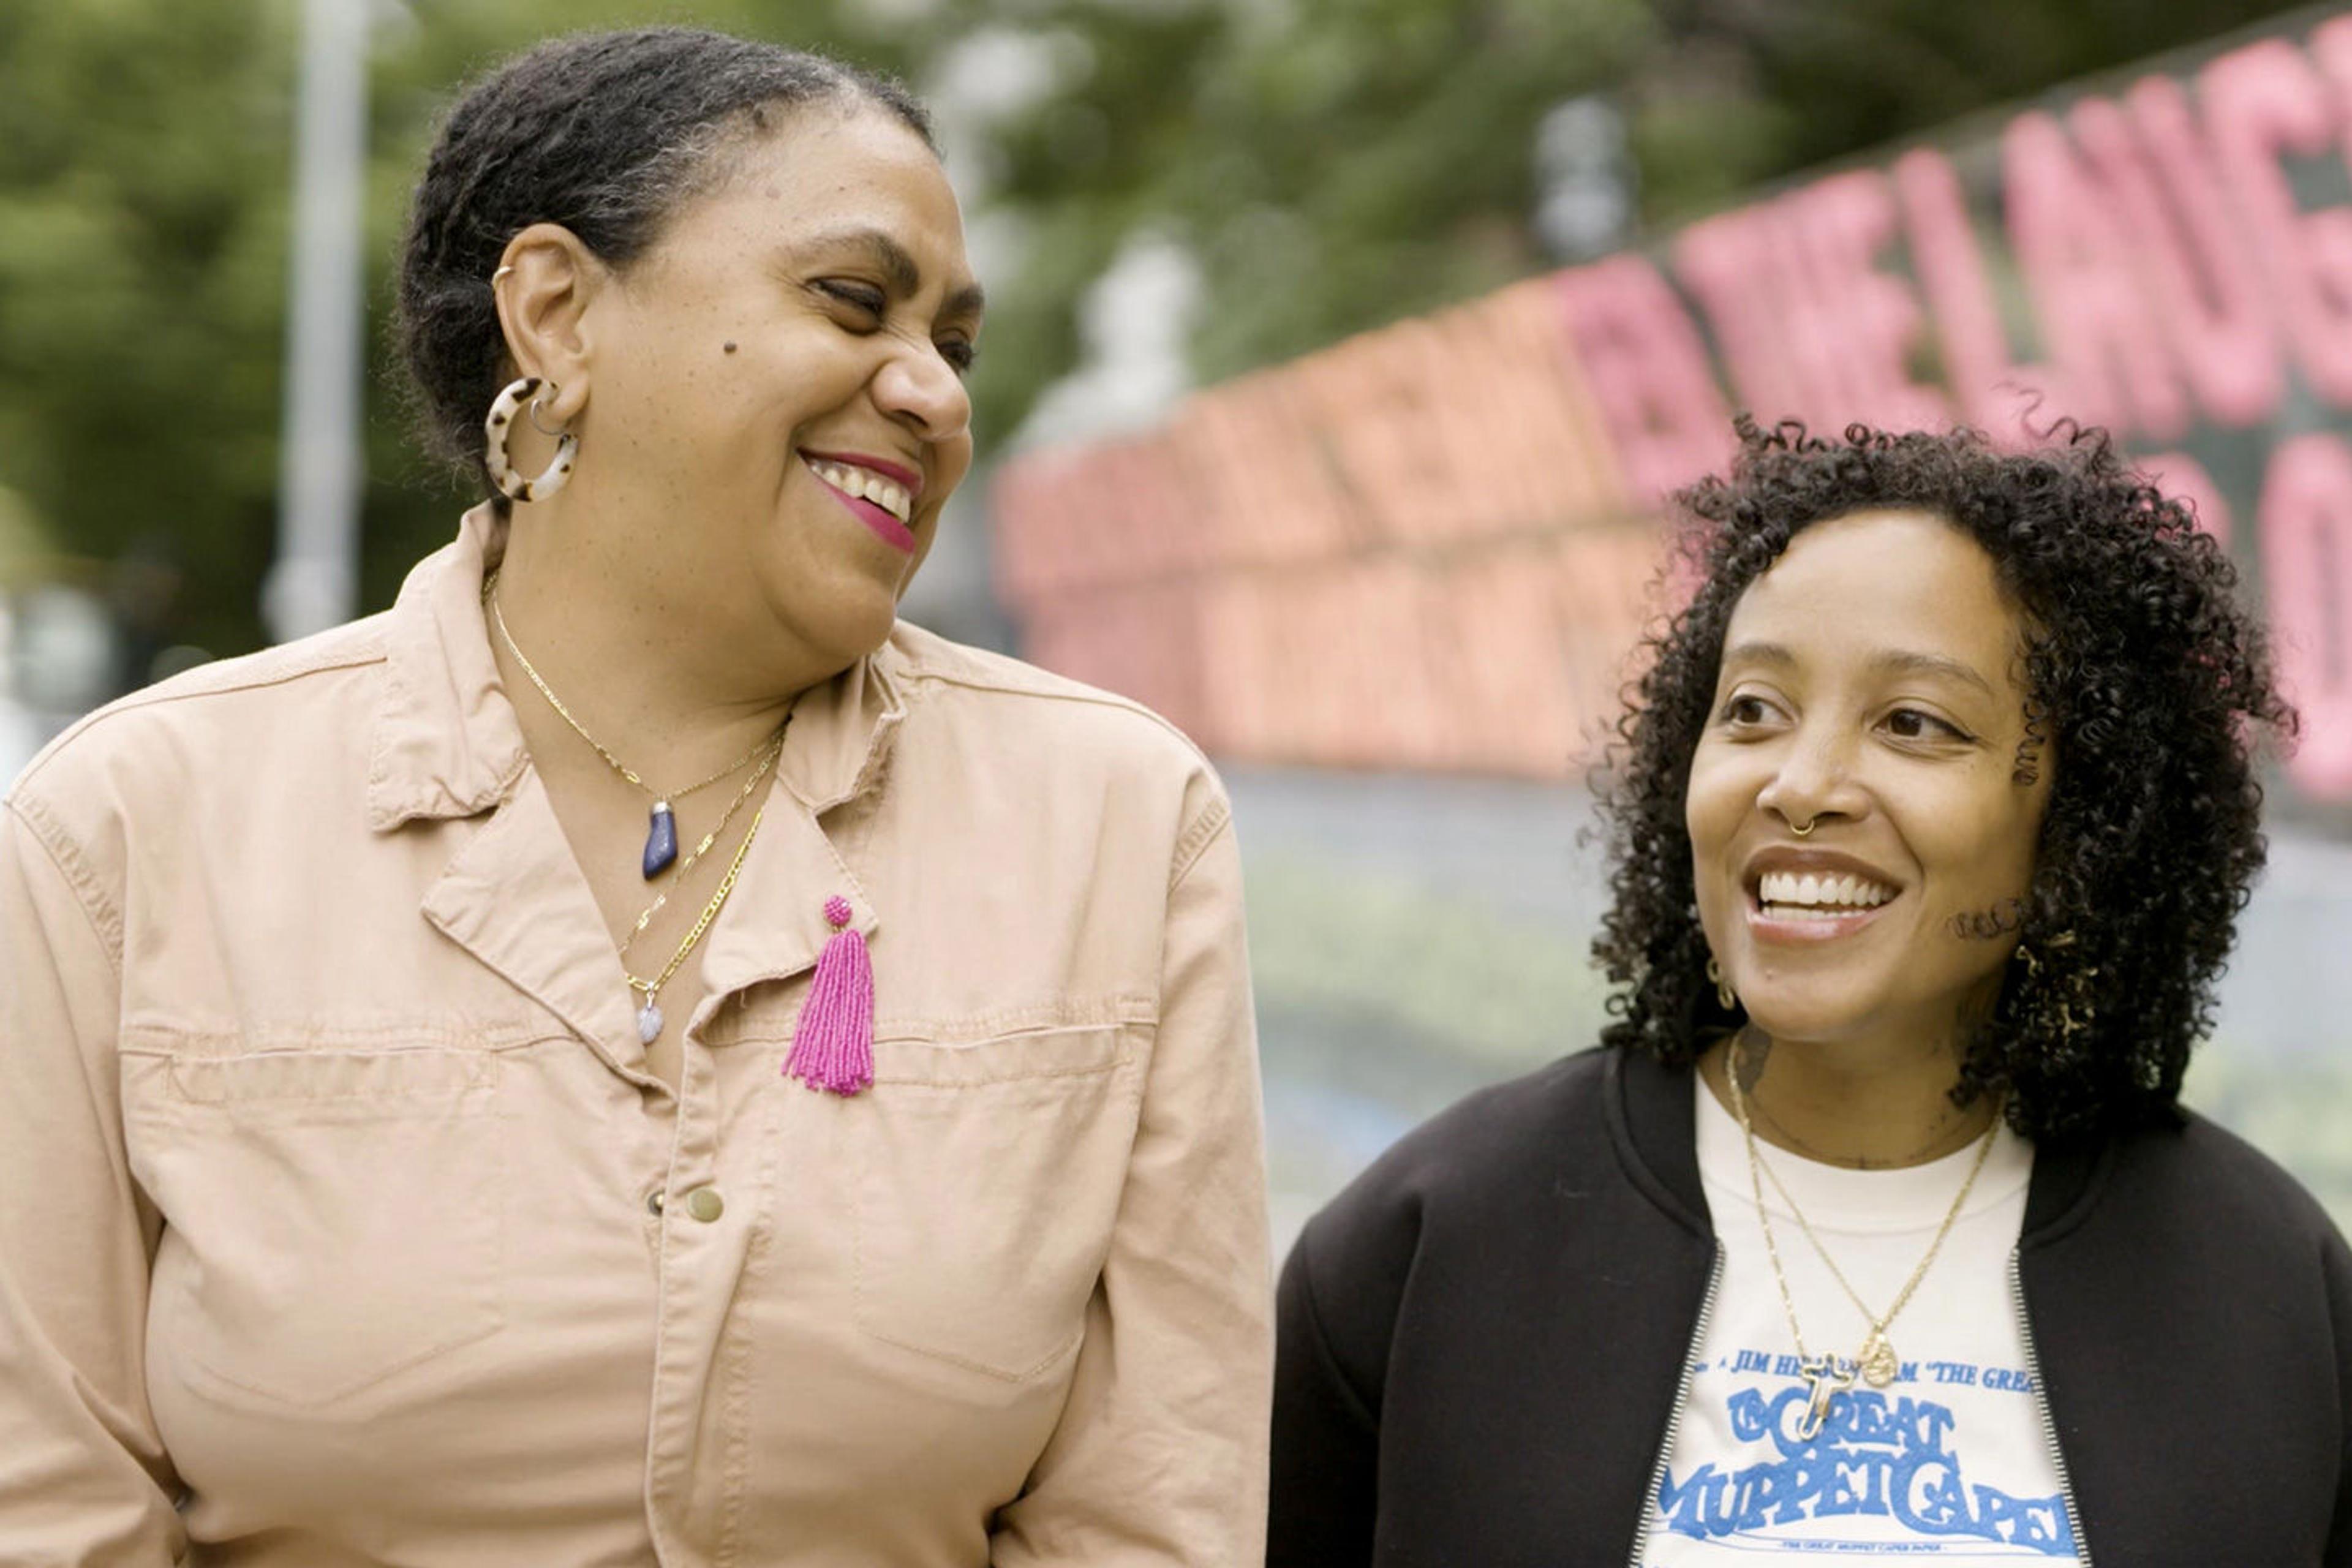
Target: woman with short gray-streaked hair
634	1054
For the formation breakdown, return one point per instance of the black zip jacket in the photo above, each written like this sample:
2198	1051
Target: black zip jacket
1482	1339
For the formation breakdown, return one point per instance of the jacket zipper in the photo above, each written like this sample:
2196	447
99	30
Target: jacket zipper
1682	1398
2042	1407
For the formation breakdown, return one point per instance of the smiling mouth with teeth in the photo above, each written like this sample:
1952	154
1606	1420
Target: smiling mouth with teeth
1787	895
863	484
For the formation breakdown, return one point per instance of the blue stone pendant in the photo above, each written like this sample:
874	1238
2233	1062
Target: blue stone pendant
661	841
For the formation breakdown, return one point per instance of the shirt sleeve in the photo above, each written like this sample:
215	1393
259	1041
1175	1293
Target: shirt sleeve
83	1476
1326	1437
1159	1458
2336	1262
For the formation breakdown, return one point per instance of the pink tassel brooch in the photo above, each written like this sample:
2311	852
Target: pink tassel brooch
832	1043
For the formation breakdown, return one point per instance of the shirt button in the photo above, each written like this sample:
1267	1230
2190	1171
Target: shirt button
705	1203
654	1202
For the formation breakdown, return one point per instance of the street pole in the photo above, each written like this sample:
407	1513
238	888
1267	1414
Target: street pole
314	582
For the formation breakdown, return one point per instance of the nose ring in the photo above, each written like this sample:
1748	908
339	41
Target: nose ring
1807	830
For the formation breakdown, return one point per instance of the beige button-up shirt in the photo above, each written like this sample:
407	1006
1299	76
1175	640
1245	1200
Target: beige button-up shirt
340	1223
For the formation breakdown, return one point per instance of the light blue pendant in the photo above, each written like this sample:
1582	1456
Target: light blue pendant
650	1022
661	841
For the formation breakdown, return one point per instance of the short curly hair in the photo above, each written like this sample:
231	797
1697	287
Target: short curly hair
605	133
2146	678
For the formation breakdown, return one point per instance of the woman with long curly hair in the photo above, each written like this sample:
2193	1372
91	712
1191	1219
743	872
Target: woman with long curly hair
1873	1226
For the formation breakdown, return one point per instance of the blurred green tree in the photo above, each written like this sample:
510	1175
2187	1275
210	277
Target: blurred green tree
142	173
1331	164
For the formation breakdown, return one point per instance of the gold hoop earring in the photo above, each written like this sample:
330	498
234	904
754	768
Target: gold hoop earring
1724	996
501	424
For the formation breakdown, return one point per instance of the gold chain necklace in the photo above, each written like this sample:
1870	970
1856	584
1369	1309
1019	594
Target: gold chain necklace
694	857
649	1015
1877	1360
661	830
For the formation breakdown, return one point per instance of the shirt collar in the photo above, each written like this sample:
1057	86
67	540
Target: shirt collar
447	744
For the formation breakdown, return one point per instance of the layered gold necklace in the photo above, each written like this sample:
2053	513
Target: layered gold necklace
661	840
1875	1360
649	1015
661	828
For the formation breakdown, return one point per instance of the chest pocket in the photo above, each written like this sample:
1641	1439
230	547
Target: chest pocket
333	1217
986	1183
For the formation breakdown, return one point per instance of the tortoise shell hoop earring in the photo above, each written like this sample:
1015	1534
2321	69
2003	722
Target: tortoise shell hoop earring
519	398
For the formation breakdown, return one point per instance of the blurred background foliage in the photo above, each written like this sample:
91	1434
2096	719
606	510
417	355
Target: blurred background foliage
1160	193
1323	166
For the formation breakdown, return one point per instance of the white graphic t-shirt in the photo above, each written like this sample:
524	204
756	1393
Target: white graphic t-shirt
1949	1462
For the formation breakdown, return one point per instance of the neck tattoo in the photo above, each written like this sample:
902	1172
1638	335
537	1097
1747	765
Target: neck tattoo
1745	1059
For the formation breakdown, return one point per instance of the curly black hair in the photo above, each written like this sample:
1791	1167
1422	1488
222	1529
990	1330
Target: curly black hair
605	134
2148	687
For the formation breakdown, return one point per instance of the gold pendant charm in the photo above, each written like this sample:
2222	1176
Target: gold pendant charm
1877	1360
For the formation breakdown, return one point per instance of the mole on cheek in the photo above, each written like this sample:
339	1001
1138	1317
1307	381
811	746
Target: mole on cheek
731	348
